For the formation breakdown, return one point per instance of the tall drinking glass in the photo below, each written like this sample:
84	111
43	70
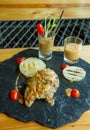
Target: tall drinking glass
45	47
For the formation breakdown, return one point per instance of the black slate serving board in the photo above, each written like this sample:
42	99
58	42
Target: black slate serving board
64	111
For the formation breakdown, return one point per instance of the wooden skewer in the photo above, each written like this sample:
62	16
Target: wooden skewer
54	31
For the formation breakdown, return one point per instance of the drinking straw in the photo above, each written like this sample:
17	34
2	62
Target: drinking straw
54	31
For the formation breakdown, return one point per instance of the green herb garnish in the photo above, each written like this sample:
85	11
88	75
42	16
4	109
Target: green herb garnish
50	25
28	91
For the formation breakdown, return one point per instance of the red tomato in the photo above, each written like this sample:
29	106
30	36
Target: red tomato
20	59
40	29
75	93
63	66
14	95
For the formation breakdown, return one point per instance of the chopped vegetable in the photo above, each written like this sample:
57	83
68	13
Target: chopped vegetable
68	92
75	93
51	25
72	92
14	95
63	66
20	59
40	28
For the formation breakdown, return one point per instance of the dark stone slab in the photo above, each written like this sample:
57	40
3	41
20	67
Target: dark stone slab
64	111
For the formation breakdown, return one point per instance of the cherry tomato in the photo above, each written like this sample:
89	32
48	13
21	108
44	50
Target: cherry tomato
20	59
14	95
63	66
40	29
75	93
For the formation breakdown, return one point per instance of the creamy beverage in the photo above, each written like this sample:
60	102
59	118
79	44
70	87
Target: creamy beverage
72	51
46	45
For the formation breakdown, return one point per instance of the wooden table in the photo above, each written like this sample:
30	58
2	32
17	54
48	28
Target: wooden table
7	123
37	9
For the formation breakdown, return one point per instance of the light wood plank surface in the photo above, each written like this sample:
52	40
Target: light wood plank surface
7	123
45	2
7	53
32	10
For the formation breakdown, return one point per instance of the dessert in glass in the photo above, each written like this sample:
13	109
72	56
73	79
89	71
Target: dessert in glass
45	47
46	35
72	49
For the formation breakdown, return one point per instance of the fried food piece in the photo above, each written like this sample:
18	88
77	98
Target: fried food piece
42	86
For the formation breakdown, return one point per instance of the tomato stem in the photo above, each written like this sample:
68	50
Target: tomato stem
18	76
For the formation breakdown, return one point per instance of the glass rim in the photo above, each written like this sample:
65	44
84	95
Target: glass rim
51	36
74	38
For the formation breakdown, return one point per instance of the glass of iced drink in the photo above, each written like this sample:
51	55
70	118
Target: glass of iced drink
45	47
72	49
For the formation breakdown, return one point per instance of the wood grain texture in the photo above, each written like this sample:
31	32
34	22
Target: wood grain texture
7	123
8	53
43	1
39	13
32	10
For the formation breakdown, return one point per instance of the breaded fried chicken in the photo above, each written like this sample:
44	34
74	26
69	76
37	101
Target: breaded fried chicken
42	86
